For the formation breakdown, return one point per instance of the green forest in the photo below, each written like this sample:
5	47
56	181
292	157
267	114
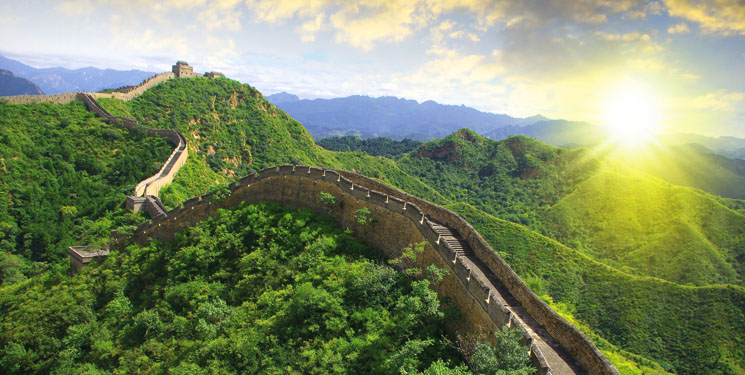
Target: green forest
652	272
64	178
254	289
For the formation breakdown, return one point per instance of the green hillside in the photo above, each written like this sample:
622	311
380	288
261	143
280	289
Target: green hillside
649	227
516	178
232	129
689	330
691	165
64	178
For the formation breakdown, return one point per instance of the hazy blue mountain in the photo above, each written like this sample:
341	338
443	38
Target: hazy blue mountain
388	116
58	80
282	97
729	146
12	85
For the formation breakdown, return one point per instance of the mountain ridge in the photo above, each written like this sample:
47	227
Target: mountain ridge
57	80
12	85
389	116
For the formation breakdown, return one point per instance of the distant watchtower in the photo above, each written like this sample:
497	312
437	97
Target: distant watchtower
183	70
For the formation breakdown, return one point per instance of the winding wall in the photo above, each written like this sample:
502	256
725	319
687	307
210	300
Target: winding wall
496	295
152	184
137	91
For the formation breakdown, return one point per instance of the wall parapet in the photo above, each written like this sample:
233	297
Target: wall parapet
421	213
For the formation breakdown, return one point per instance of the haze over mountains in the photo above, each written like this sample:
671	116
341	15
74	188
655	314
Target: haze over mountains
58	80
12	85
707	163
389	117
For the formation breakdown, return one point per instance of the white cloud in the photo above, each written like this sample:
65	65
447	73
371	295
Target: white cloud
308	30
681	28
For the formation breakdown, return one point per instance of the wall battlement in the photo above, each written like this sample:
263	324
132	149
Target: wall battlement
299	186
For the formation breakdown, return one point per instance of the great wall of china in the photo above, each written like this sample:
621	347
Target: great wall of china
481	284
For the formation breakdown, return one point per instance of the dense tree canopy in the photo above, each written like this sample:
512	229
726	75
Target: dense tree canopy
254	289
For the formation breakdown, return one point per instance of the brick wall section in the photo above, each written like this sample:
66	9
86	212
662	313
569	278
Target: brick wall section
67	97
137	91
572	339
64	98
300	187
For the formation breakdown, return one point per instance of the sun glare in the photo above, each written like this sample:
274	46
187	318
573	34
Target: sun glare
631	114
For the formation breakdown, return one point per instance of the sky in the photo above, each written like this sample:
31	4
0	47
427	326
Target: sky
571	59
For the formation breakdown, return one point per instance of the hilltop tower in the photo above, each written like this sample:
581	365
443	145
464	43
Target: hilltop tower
183	70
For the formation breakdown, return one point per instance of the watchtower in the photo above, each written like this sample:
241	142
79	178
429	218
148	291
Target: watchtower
183	70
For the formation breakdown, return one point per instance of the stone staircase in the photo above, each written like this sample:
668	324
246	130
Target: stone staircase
559	361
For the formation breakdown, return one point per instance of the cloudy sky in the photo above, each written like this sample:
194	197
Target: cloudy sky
559	58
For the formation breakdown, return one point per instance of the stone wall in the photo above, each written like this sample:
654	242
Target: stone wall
571	339
67	97
138	90
31	99
300	187
152	184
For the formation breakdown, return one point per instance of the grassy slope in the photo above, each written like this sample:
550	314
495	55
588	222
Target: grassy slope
653	228
692	165
694	330
232	130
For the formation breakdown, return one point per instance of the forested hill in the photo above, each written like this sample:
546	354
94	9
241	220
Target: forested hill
64	177
552	199
374	146
232	129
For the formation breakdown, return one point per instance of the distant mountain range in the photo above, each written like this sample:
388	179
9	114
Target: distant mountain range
12	85
58	80
399	118
389	117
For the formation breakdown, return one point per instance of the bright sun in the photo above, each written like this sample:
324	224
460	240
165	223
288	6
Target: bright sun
631	114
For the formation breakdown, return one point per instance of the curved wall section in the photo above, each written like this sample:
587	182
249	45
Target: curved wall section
152	184
404	219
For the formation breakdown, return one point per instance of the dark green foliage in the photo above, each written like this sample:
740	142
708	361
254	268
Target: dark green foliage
64	177
255	289
362	216
374	146
507	357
